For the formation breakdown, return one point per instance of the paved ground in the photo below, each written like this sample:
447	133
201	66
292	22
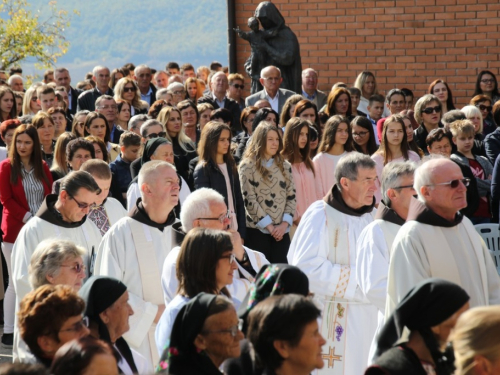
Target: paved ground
5	354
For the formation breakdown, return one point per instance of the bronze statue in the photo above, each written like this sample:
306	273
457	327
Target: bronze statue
275	44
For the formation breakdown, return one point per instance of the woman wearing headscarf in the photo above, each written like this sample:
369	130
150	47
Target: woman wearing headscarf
205	334
429	311
107	308
156	149
272	280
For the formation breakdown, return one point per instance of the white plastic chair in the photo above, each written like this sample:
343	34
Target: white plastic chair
491	236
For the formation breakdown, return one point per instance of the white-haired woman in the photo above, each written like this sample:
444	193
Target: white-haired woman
474	114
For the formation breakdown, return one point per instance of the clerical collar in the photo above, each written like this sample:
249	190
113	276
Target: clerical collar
139	213
384	212
49	213
421	213
334	199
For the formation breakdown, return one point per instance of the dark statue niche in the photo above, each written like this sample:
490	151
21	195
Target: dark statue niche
274	44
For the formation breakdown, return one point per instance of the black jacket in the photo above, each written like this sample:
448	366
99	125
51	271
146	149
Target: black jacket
210	176
229	104
87	99
75	93
492	146
419	135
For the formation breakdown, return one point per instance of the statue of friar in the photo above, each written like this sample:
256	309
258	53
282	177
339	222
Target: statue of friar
276	44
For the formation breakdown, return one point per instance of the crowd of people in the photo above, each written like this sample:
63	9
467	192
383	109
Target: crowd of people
158	221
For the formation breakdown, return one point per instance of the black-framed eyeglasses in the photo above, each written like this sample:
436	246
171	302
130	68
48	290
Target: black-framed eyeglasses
404	187
238	86
78	326
360	134
431	110
231	330
454	183
80	205
483	107
78	267
231	257
488	80
179	92
156	135
221	218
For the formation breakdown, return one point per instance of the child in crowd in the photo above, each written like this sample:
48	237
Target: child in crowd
463	138
375	111
355	98
130	144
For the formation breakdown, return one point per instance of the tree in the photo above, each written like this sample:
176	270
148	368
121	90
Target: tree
24	34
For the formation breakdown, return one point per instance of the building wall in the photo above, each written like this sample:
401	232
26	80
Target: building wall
405	43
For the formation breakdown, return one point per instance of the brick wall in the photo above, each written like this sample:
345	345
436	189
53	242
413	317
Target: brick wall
405	43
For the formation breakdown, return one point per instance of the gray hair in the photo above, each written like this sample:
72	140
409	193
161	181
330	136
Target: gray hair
97	69
421	103
48	257
264	70
13	77
175	85
138	68
349	165
149	170
198	204
148	124
102	98
135	120
424	173
471	111
161	92
393	173
455	114
307	70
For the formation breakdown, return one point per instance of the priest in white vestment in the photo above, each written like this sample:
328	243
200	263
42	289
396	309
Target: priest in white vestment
134	250
375	242
64	217
438	241
324	248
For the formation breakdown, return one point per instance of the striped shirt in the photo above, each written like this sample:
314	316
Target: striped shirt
33	189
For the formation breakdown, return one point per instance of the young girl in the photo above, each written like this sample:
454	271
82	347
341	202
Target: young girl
216	169
336	142
8	108
97	125
296	151
393	146
363	135
269	194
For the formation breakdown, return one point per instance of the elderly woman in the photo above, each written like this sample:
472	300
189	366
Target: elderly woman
49	317
205	333
284	333
473	114
107	307
56	262
430	311
485	106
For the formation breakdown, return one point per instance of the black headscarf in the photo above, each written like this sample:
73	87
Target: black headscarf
99	293
428	304
273	280
182	356
150	148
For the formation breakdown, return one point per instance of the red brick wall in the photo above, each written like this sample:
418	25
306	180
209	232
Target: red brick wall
405	43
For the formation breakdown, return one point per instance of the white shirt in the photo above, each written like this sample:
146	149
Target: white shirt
273	101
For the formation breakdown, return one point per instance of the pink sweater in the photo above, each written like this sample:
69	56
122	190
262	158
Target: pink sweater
307	189
324	165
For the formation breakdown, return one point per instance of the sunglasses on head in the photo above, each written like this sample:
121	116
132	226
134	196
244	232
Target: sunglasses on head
128	89
483	107
430	110
156	135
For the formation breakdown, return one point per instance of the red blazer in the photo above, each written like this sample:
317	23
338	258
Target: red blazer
15	204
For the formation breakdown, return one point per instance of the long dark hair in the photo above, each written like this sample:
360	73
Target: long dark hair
363	122
384	148
261	115
196	270
332	99
477	89
209	141
36	159
449	102
88	123
330	131
291	150
304	105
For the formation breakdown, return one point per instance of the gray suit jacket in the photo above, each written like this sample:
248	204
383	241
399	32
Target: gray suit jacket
320	99
283	96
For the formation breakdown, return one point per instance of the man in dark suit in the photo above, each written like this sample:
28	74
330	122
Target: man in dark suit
218	99
62	78
310	88
101	77
143	77
106	106
270	78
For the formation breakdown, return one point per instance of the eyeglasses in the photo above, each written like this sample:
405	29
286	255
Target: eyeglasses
232	330
80	205
232	258
221	218
180	92
430	110
454	183
156	135
76	267
483	107
404	187
488	80
128	89
78	326
238	86
360	134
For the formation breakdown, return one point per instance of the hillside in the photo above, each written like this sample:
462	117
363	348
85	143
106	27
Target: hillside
113	32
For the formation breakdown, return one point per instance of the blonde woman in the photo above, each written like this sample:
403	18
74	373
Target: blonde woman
126	89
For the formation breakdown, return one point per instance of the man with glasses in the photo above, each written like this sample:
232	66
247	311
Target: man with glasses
270	78
206	208
310	88
87	99
375	242
324	248
107	106
134	249
61	216
437	241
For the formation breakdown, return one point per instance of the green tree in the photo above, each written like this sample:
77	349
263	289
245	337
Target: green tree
24	34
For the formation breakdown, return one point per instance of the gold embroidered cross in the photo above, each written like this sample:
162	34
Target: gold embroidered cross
331	357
